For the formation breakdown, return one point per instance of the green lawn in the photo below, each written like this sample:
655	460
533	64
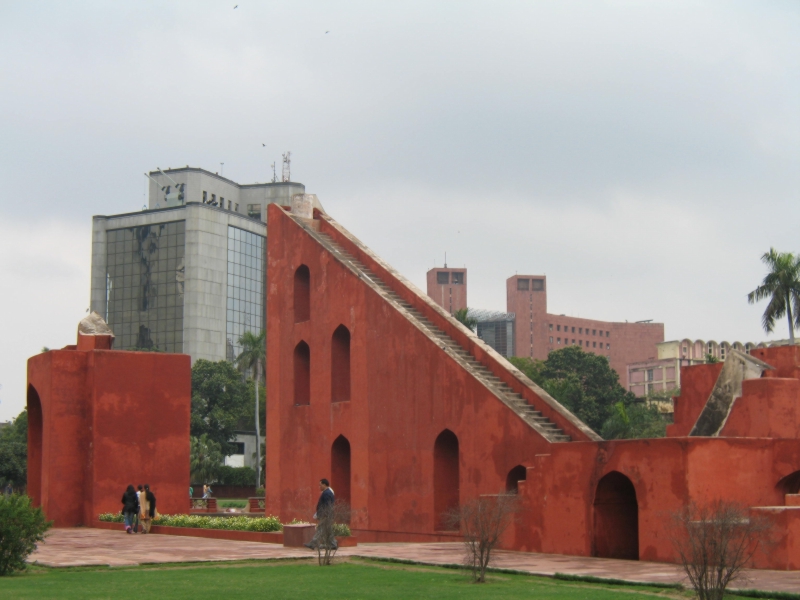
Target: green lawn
354	579
232	503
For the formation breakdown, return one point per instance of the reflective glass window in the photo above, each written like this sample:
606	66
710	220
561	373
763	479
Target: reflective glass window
144	286
246	276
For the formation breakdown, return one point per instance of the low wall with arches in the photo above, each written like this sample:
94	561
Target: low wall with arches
616	499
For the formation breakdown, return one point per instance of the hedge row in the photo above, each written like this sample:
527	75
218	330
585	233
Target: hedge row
262	524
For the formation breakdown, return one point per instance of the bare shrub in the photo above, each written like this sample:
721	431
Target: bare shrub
715	543
330	522
482	522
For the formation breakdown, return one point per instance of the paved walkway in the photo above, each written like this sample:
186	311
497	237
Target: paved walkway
84	546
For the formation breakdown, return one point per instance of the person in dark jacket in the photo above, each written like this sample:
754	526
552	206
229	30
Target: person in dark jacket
323	514
130	508
148	508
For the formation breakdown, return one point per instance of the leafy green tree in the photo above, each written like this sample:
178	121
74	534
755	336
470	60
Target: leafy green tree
219	400
782	287
205	459
22	526
583	382
710	358
634	420
14	452
253	358
462	316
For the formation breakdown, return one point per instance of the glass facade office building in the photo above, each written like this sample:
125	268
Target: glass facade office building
145	286
246	276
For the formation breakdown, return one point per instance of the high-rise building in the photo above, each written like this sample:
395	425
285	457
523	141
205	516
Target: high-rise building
539	332
187	273
448	288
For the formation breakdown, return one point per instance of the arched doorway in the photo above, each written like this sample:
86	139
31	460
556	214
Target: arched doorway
35	423
515	475
616	518
445	477
302	374
340	469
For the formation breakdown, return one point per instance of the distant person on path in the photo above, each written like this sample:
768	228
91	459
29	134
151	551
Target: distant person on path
324	512
130	508
147	502
9	490
139	492
207	491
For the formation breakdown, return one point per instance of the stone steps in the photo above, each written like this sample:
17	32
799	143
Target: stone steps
503	391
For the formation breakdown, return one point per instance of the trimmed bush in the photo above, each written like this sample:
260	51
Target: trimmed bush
21	527
240	476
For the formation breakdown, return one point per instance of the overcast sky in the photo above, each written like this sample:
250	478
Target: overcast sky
642	155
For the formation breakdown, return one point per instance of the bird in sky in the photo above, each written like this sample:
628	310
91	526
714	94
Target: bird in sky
235	7
327	32
263	145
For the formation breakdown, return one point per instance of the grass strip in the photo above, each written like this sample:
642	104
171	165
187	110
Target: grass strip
762	594
612	581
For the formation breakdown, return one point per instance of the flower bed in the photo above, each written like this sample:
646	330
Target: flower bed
259	524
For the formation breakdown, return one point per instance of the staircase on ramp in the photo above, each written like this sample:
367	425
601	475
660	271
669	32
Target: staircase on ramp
528	413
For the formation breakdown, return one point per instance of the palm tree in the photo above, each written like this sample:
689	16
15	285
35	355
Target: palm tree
782	287
462	315
253	357
205	458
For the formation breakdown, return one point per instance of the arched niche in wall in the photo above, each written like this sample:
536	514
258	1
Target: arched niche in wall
302	294
616	518
445	478
35	423
340	365
515	475
340	469
302	374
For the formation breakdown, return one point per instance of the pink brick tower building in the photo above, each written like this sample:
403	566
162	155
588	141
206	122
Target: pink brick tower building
539	332
448	288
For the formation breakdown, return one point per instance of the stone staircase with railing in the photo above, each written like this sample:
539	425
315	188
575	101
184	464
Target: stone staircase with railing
528	413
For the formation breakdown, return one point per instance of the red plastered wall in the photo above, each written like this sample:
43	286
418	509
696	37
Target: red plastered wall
405	390
109	419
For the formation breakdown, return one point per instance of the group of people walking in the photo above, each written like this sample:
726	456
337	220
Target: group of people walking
138	508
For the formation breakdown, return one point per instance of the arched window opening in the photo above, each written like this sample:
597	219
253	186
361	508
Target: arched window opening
340	469
35	423
302	294
616	518
515	475
340	365
445	478
302	374
790	484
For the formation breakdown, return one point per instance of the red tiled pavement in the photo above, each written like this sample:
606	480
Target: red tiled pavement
84	546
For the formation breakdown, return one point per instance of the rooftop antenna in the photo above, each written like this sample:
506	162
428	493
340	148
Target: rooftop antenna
445	260
274	174
222	169
286	175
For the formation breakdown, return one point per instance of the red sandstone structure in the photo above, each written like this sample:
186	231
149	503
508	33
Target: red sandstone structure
375	386
100	419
